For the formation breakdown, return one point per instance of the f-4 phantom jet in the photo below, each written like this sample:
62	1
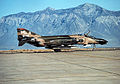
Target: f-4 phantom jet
57	42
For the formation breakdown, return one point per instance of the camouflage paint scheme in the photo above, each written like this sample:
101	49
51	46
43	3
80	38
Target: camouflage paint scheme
58	41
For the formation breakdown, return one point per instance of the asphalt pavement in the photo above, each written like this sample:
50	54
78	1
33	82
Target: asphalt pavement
79	67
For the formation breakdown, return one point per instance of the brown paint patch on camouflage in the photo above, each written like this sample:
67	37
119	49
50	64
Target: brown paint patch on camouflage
21	29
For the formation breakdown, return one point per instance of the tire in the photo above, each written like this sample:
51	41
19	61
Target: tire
57	50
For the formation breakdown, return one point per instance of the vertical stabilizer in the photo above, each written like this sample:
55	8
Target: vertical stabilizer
26	36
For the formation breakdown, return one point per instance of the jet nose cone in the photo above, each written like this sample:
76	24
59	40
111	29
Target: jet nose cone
102	41
105	41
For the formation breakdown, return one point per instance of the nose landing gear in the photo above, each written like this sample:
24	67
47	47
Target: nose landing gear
94	46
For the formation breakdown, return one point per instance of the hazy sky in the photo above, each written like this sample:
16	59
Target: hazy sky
15	6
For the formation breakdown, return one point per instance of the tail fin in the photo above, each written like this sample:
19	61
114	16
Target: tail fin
24	36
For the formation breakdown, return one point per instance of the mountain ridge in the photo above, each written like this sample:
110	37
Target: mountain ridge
102	23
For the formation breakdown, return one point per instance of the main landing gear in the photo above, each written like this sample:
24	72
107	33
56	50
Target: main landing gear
57	50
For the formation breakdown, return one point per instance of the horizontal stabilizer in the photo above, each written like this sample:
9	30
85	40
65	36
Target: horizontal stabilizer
21	43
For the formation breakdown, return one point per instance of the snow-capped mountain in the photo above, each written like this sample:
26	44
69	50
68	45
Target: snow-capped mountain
101	22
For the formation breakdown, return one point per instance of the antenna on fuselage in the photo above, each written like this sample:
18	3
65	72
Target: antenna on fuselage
87	33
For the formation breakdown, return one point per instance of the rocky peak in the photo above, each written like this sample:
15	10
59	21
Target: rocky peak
49	9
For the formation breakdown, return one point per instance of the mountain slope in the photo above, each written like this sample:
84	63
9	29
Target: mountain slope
101	22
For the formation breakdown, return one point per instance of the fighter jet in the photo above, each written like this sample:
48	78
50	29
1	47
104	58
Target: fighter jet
56	42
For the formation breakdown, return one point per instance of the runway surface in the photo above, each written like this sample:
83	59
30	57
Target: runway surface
79	67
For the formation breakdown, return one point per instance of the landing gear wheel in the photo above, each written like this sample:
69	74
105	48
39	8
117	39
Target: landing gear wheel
57	50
